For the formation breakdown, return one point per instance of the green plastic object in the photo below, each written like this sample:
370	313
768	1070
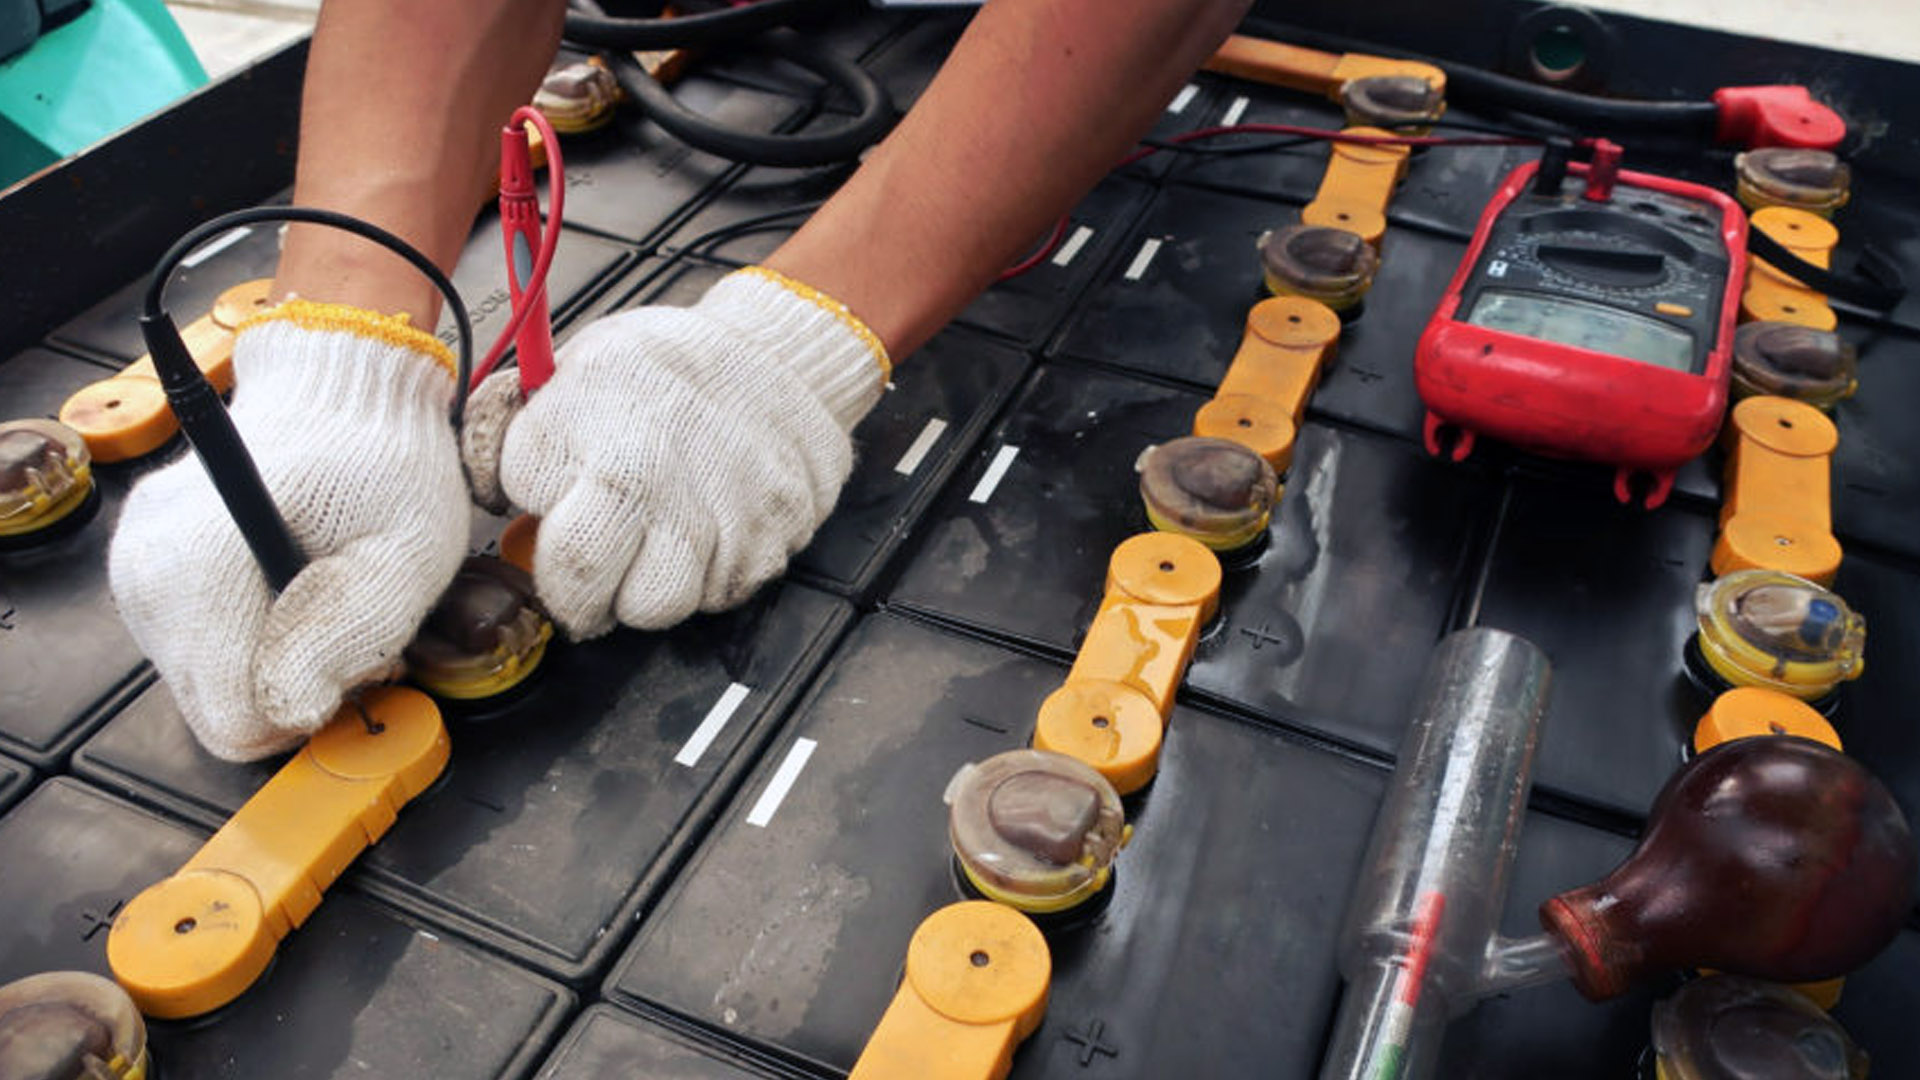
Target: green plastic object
85	79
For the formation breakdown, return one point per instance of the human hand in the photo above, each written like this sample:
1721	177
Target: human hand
679	456
345	413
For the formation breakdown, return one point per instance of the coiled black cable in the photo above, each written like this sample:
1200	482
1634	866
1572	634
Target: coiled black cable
588	24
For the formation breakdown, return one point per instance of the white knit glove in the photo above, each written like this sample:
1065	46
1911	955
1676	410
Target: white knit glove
345	413
679	456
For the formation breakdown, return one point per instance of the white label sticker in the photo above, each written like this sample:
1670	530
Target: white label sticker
922	444
1069	250
1234	112
209	250
1183	99
783	779
1002	461
1143	258
710	727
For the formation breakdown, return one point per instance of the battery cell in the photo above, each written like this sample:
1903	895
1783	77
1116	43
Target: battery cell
66	662
1873	712
15	778
790	925
1025	308
1608	592
607	1042
1876	467
563	805
1443	193
1322	626
1174	304
356	991
631	181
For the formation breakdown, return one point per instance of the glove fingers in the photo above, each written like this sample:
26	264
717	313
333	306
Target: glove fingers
490	409
188	593
587	542
668	576
343	622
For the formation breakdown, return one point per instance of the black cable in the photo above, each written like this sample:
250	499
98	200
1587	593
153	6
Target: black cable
873	110
1859	291
204	420
1469	83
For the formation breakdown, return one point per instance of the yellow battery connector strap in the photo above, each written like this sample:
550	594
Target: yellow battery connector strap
975	985
832	307
397	329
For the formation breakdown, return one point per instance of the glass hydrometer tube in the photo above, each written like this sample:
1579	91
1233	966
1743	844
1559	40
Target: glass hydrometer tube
1435	874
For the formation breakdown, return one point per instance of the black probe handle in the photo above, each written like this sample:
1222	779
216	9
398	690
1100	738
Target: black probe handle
208	427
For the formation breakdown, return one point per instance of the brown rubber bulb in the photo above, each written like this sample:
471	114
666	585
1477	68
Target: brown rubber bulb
1777	858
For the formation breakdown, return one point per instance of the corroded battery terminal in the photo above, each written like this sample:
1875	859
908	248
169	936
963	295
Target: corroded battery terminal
1035	830
578	97
1812	180
1726	1027
1788	360
1216	491
1402	103
70	1025
1774	630
46	474
1333	266
486	635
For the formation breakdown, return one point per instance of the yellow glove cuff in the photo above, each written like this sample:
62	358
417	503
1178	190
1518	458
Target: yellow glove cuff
833	307
392	329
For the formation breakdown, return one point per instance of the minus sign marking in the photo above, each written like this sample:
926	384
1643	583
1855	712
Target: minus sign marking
1144	258
208	251
711	725
783	779
1069	250
923	443
997	471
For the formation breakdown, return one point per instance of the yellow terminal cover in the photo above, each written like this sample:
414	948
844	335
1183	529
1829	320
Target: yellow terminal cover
976	982
1771	294
1263	396
193	942
127	416
1748	711
1357	187
1142	646
1162	589
1776	510
1276	63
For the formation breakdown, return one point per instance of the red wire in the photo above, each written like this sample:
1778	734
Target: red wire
1052	244
1323	134
536	282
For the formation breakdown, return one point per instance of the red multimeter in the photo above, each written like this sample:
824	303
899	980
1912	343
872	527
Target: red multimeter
1591	318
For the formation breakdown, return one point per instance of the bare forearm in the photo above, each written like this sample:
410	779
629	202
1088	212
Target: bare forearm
1039	99
399	125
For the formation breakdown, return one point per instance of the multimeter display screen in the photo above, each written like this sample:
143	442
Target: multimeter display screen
1585	325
